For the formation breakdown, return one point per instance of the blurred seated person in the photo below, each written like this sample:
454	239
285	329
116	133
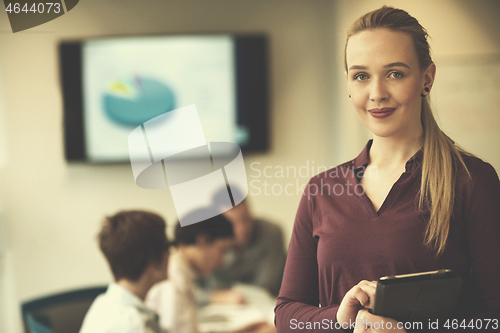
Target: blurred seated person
199	250
257	257
135	246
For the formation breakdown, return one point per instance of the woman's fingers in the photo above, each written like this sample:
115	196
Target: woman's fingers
364	292
367	322
360	296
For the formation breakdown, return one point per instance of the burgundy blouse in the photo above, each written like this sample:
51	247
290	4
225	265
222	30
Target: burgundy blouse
339	239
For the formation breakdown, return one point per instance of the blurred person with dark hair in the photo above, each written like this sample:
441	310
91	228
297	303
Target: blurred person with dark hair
199	250
136	248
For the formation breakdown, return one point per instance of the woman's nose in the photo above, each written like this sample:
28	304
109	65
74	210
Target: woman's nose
378	91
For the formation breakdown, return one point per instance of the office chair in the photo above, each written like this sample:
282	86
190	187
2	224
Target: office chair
59	313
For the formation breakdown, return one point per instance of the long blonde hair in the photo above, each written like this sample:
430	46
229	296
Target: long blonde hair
441	155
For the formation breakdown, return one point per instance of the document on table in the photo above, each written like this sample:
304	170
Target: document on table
231	317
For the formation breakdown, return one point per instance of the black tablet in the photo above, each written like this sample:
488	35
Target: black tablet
417	297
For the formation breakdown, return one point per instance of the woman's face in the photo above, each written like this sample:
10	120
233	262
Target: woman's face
385	82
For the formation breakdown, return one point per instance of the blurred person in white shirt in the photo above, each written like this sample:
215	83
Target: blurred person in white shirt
136	248
199	250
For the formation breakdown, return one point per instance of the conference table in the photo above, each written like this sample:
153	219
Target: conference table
259	307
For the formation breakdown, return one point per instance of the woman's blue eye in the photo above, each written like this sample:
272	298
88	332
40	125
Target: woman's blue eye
396	75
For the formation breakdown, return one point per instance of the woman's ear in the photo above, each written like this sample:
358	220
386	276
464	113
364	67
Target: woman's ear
429	75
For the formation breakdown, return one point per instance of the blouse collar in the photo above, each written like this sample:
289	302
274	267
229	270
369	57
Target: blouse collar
364	158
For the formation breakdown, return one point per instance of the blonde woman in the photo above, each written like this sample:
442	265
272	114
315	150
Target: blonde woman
424	203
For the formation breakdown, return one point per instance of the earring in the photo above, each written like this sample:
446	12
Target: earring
426	90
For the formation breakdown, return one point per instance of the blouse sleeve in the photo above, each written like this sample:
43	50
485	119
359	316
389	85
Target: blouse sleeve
298	300
482	218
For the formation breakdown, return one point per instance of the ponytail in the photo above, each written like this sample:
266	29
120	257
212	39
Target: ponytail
437	190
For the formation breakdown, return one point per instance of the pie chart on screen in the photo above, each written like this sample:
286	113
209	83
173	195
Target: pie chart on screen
132	102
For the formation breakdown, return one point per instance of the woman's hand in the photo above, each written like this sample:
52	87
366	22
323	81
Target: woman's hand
361	296
367	322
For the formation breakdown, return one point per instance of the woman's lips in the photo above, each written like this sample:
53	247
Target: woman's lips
381	113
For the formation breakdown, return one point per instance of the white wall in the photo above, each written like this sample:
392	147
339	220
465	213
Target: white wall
53	209
8	313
